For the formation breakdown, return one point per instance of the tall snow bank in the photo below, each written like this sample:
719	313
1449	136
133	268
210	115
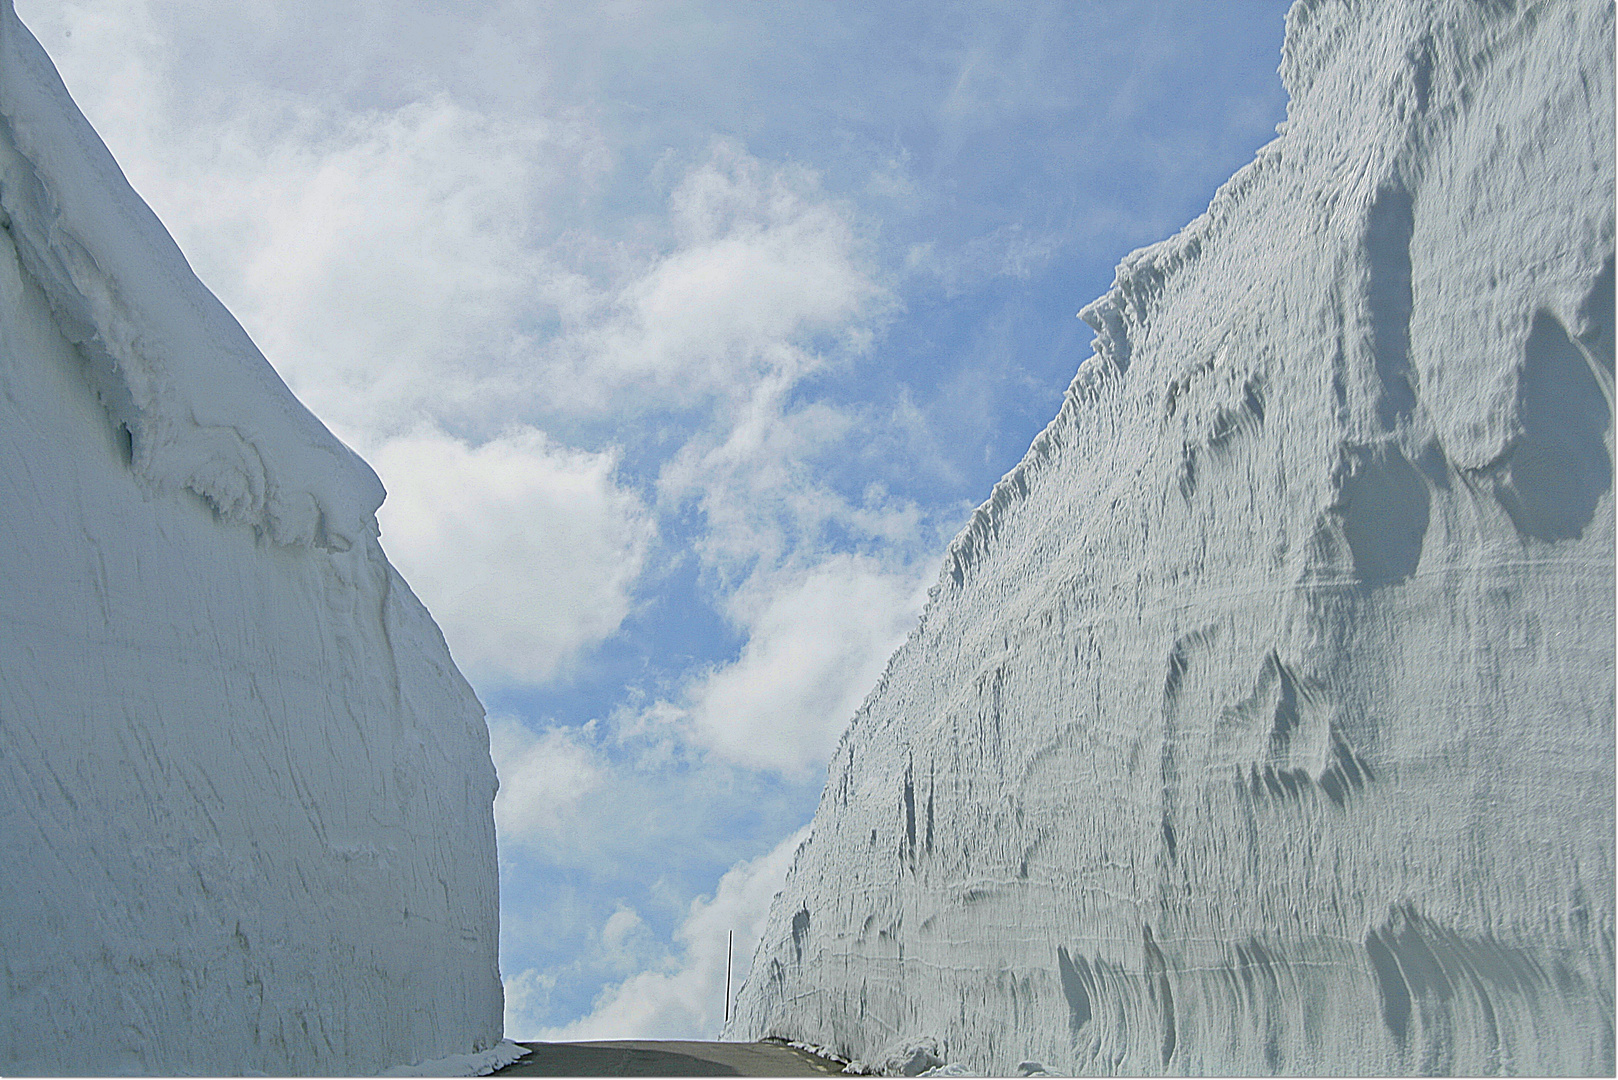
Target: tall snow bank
1263	718
245	796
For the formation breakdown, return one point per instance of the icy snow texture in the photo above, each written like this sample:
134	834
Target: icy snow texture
245	797
1262	720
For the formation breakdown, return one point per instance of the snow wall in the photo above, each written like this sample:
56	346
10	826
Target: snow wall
245	796
1263	718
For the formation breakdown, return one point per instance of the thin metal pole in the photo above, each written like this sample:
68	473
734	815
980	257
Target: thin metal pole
730	937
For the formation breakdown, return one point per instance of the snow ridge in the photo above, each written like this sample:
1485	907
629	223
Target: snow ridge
1261	720
201	406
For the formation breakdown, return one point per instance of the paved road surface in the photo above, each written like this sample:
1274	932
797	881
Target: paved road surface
646	1058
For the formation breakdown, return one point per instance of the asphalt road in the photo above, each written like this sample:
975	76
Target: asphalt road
646	1058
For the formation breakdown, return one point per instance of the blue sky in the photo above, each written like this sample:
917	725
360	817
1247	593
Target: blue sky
684	336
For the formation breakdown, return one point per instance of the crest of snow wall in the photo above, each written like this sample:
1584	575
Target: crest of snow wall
245	796
1263	718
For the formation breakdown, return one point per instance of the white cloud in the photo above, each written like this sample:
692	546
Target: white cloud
761	266
621	930
543	777
386	262
390	266
684	995
525	551
816	646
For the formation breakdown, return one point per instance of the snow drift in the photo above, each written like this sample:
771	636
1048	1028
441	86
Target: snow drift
245	796
1262	720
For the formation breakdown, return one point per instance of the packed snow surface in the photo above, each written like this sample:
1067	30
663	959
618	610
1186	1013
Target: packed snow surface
1263	718
245	797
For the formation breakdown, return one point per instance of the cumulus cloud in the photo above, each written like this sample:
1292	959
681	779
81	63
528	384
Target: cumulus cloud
526	552
683	995
623	936
816	646
761	267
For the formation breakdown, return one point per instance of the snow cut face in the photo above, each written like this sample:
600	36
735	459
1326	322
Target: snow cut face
1262	719
245	797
